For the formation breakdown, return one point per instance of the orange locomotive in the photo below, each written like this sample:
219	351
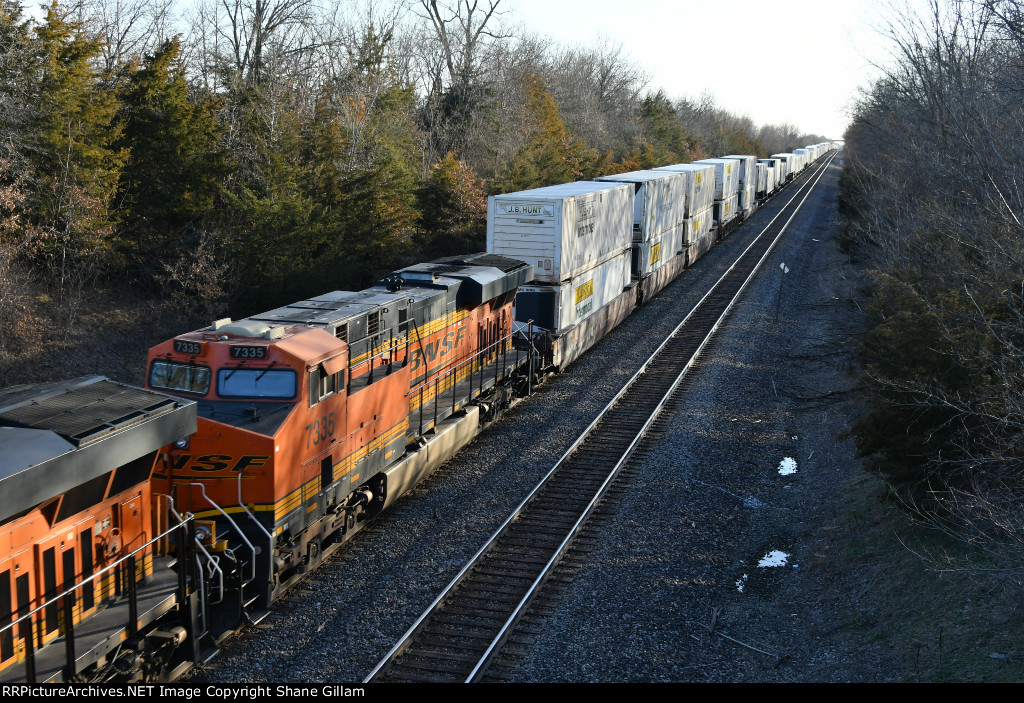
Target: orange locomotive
315	416
78	535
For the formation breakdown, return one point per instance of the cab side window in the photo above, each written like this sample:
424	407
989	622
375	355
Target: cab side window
323	384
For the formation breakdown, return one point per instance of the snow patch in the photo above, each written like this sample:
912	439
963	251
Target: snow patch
787	466
740	583
773	558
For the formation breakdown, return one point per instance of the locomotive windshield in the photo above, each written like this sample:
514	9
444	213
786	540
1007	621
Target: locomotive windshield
256	383
183	378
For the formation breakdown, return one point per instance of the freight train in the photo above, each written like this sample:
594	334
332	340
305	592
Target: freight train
140	527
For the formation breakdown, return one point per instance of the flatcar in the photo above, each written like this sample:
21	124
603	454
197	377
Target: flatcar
315	416
88	589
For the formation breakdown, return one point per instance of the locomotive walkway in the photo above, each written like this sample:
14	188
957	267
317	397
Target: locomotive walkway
461	633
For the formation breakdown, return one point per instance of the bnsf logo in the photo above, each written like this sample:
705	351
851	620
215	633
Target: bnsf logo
215	462
440	348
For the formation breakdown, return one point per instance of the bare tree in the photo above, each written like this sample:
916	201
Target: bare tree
933	181
461	27
128	27
249	39
598	89
456	37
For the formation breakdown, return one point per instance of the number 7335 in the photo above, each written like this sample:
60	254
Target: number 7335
319	430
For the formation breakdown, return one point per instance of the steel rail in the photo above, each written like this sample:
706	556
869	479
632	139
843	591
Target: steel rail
805	188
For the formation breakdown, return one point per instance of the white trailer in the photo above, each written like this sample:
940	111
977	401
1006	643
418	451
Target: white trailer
762	179
659	202
727	177
700	189
568	318
658	214
748	169
700	234
726	210
790	162
564	229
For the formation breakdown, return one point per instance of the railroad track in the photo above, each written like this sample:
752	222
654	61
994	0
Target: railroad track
466	626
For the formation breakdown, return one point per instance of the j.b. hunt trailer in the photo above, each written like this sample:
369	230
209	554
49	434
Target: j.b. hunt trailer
561	230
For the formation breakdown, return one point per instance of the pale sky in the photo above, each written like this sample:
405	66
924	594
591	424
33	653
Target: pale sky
797	61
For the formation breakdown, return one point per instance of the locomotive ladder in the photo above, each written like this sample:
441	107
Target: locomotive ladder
468	623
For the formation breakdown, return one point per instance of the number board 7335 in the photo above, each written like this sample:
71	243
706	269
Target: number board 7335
248	352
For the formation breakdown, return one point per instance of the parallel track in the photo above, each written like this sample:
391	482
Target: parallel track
467	624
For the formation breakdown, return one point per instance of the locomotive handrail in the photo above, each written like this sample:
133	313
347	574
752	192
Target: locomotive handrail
214	566
270	539
202	490
30	644
389	350
457	366
210	560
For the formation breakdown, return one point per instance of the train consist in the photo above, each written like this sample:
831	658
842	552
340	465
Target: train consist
141	526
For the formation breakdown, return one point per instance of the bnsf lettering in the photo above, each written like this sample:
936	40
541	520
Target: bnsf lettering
216	462
440	348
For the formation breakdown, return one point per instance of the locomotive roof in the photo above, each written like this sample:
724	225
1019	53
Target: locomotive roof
479	277
469	279
55	436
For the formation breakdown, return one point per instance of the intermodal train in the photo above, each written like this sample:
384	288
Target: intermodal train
140	527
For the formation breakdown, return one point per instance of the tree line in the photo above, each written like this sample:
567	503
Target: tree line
932	195
247	153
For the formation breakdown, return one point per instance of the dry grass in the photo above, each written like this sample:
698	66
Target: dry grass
109	337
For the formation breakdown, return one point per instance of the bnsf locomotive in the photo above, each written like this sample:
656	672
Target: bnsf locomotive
315	416
89	588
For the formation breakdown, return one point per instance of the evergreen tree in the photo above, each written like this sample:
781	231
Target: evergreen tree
666	141
453	207
553	154
272	224
173	174
16	47
76	158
